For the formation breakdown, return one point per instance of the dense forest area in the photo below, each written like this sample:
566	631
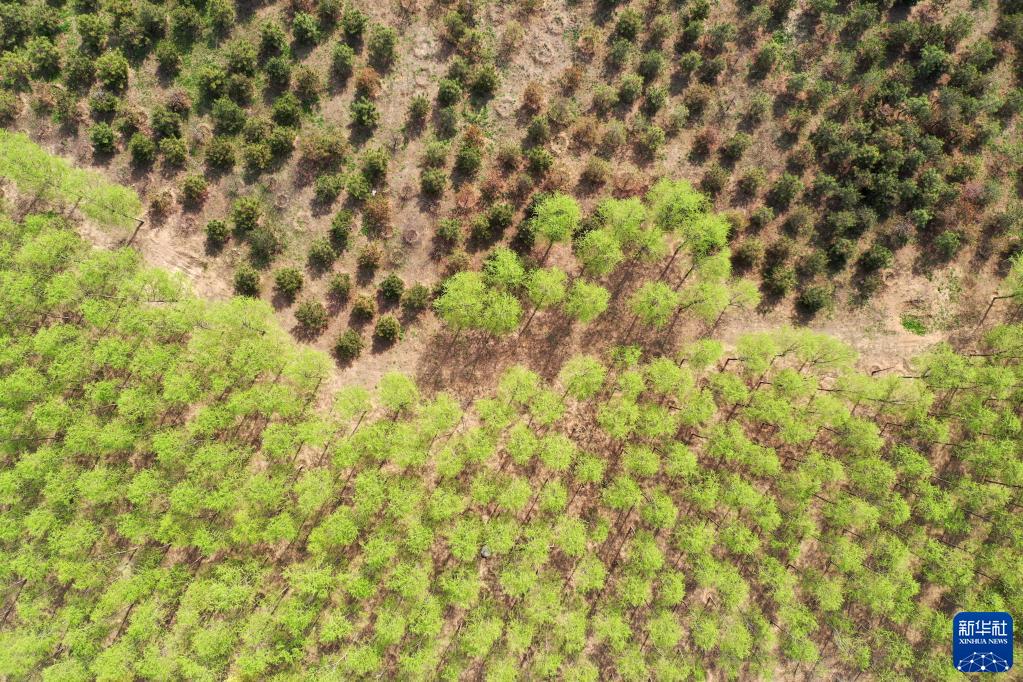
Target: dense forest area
181	500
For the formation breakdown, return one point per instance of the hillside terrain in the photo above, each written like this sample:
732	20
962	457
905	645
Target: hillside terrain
537	340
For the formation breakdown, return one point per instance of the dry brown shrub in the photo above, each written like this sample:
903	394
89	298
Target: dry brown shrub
367	82
377	214
533	97
586	133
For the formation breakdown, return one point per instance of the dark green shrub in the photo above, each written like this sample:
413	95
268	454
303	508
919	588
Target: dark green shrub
278	72
630	88
629	24
447	122
311	315
306	28
288	281
374	164
321	253
241	56
44	56
500	217
815	298
79	71
435	154
349	346
539	130
327	187
340	286
221	16
876	258
364	113
650	65
540	160
228	117
93	29
714	179
246	280
263	244
449	231
485	80
165	123
281	141
448	92
103	105
468	159
358	187
391	288
432	182
948	244
174	151
211	80
381	44
779	279
329	11
418	109
650	139
257	156
342	61
286	110
734	147
415	299
479	230
812	264
363	308
142	149
840	251
273	39
761	217
751	181
112	71
185	24
353	22
341	229
15	71
656	97
784	190
220	153
245	214
103	138
748	254
217	234
387	330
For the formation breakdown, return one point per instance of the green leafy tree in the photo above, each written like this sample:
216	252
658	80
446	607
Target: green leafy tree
555	219
545	288
654	303
586	301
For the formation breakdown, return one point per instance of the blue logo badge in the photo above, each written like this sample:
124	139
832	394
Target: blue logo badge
982	642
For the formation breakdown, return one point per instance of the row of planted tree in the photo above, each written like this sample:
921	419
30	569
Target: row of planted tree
672	228
180	500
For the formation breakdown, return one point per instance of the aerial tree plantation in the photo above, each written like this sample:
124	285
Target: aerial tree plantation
543	340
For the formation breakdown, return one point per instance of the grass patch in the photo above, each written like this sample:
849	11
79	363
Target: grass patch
914	324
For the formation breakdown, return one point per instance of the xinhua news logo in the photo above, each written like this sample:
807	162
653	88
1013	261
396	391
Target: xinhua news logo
982	642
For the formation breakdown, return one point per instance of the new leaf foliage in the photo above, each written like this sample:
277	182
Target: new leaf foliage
178	500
